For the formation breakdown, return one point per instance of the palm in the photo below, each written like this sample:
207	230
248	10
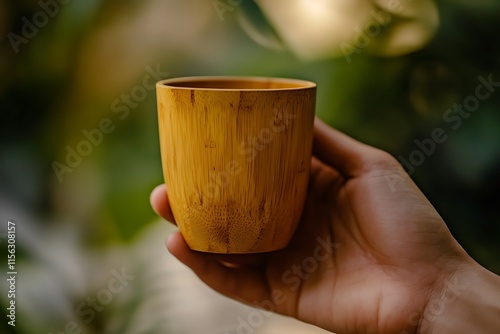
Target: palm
361	282
385	242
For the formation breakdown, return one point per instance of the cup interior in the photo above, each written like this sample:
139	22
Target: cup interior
237	83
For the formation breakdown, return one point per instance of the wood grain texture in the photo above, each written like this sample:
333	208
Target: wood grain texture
236	161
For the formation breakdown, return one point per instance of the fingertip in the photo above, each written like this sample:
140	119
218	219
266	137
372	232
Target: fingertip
174	242
177	246
319	123
155	196
160	204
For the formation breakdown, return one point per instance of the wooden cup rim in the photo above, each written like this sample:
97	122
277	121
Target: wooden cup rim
235	83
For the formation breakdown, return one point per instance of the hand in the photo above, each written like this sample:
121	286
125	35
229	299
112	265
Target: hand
368	255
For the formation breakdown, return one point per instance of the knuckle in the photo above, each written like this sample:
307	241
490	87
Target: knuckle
382	160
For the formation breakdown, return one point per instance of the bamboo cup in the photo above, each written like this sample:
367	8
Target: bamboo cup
236	155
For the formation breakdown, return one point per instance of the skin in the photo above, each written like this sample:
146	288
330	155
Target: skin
392	252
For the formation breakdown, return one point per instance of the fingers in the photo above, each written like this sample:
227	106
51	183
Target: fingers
347	155
323	178
160	204
246	285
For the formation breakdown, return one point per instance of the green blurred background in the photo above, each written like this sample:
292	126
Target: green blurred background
76	69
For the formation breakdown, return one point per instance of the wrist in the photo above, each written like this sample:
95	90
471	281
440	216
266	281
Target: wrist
466	301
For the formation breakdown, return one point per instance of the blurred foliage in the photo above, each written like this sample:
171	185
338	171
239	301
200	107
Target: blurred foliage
66	78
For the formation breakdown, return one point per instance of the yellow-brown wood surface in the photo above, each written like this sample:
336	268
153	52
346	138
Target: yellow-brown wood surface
236	163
